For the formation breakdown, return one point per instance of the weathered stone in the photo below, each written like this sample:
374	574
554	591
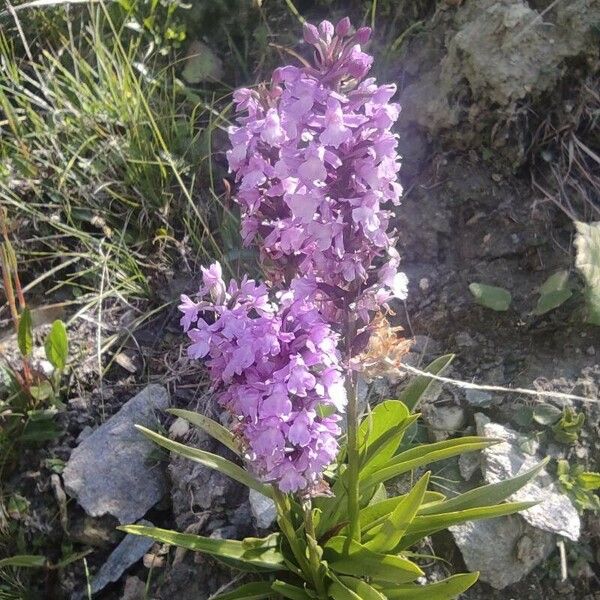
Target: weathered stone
263	509
479	398
468	464
503	550
196	488
444	420
555	512
135	589
131	549
109	472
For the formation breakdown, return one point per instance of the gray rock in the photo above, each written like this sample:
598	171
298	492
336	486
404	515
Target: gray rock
503	550
555	512
195	488
263	509
444	420
479	398
109	472
131	549
135	589
469	464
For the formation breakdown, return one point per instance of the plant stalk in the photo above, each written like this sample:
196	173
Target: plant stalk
352	416
288	529
313	551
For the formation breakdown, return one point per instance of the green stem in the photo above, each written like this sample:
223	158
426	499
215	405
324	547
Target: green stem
352	445
288	529
313	552
353	464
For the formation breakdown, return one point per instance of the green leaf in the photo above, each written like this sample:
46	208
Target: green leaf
25	333
442	590
266	558
490	296
423	455
374	512
387	535
381	432
423	526
411	396
546	414
212	461
338	591
361	588
256	590
214	429
288	590
555	283
42	391
587	242
362	562
486	495
57	345
553	292
40	426
550	301
589	480
23	560
68	560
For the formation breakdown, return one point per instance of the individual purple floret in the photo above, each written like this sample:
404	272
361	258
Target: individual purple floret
315	162
275	366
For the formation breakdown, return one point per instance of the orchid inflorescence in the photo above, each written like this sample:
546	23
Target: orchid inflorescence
314	159
277	366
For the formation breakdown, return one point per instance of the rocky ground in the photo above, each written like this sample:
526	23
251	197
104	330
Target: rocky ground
495	94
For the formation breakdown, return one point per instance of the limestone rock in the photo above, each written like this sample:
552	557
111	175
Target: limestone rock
109	472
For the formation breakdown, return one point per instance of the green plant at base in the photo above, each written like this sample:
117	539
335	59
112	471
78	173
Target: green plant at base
314	556
27	412
579	485
567	429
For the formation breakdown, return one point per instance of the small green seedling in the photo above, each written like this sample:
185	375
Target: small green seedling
579	485
490	296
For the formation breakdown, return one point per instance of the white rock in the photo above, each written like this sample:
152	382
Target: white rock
263	509
555	512
503	550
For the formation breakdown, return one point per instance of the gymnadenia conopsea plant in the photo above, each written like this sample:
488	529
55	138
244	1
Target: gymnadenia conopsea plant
315	166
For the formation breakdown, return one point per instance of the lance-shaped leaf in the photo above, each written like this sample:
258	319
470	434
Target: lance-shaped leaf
360	588
338	591
381	432
293	592
411	396
212	461
257	590
214	429
423	455
374	513
362	562
25	333
233	552
423	526
23	560
486	495
387	535
442	590
56	345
